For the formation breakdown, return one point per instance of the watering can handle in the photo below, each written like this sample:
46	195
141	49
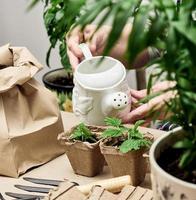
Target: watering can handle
85	50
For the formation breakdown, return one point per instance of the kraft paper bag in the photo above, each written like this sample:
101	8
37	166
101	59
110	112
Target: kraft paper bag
30	119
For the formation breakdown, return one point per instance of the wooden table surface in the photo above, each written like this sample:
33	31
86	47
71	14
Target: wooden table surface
60	168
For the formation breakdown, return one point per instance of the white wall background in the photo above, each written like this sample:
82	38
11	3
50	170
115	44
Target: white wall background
21	28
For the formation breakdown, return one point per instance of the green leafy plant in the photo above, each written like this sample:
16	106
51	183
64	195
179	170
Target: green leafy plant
134	139
82	133
59	16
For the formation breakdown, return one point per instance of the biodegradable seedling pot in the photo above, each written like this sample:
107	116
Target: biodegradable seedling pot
85	157
132	163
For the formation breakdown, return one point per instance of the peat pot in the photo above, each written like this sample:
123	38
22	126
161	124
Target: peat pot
132	163
166	186
85	158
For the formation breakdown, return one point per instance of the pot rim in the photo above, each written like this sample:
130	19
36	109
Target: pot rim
159	169
64	138
116	149
45	81
105	88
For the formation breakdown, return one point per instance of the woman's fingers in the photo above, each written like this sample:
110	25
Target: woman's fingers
144	110
164	85
73	39
89	31
74	61
90	37
161	86
134	101
138	94
73	45
96	39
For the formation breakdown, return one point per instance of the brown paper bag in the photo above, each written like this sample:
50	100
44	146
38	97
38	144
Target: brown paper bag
29	116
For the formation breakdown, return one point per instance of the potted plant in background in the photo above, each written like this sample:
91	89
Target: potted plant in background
82	149
58	18
123	148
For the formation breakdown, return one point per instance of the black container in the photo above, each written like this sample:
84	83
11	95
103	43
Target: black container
58	80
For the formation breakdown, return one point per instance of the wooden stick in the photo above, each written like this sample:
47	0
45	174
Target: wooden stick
113	185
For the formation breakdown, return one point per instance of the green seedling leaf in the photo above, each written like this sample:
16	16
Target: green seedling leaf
82	133
111	132
113	122
129	145
134	144
137	124
134	134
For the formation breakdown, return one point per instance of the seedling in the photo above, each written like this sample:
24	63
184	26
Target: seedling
82	133
134	139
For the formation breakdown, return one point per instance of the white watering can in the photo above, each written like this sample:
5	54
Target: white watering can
101	89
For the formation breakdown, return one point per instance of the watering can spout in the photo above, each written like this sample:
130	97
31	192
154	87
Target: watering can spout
114	102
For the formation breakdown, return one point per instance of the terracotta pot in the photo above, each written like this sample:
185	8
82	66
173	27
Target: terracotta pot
132	163
85	158
166	186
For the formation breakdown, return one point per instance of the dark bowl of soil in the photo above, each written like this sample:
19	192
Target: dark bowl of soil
168	180
59	80
85	157
132	163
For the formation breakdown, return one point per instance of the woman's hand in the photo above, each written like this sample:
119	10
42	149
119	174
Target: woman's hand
95	40
142	111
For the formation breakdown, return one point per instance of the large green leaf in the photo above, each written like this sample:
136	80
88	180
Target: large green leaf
185	144
187	31
137	39
118	25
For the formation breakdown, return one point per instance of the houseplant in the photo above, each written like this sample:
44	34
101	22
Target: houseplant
58	17
82	149
123	148
60	80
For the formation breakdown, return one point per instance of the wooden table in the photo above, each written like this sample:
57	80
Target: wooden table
60	168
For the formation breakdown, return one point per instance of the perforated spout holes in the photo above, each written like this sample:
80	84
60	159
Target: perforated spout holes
120	100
